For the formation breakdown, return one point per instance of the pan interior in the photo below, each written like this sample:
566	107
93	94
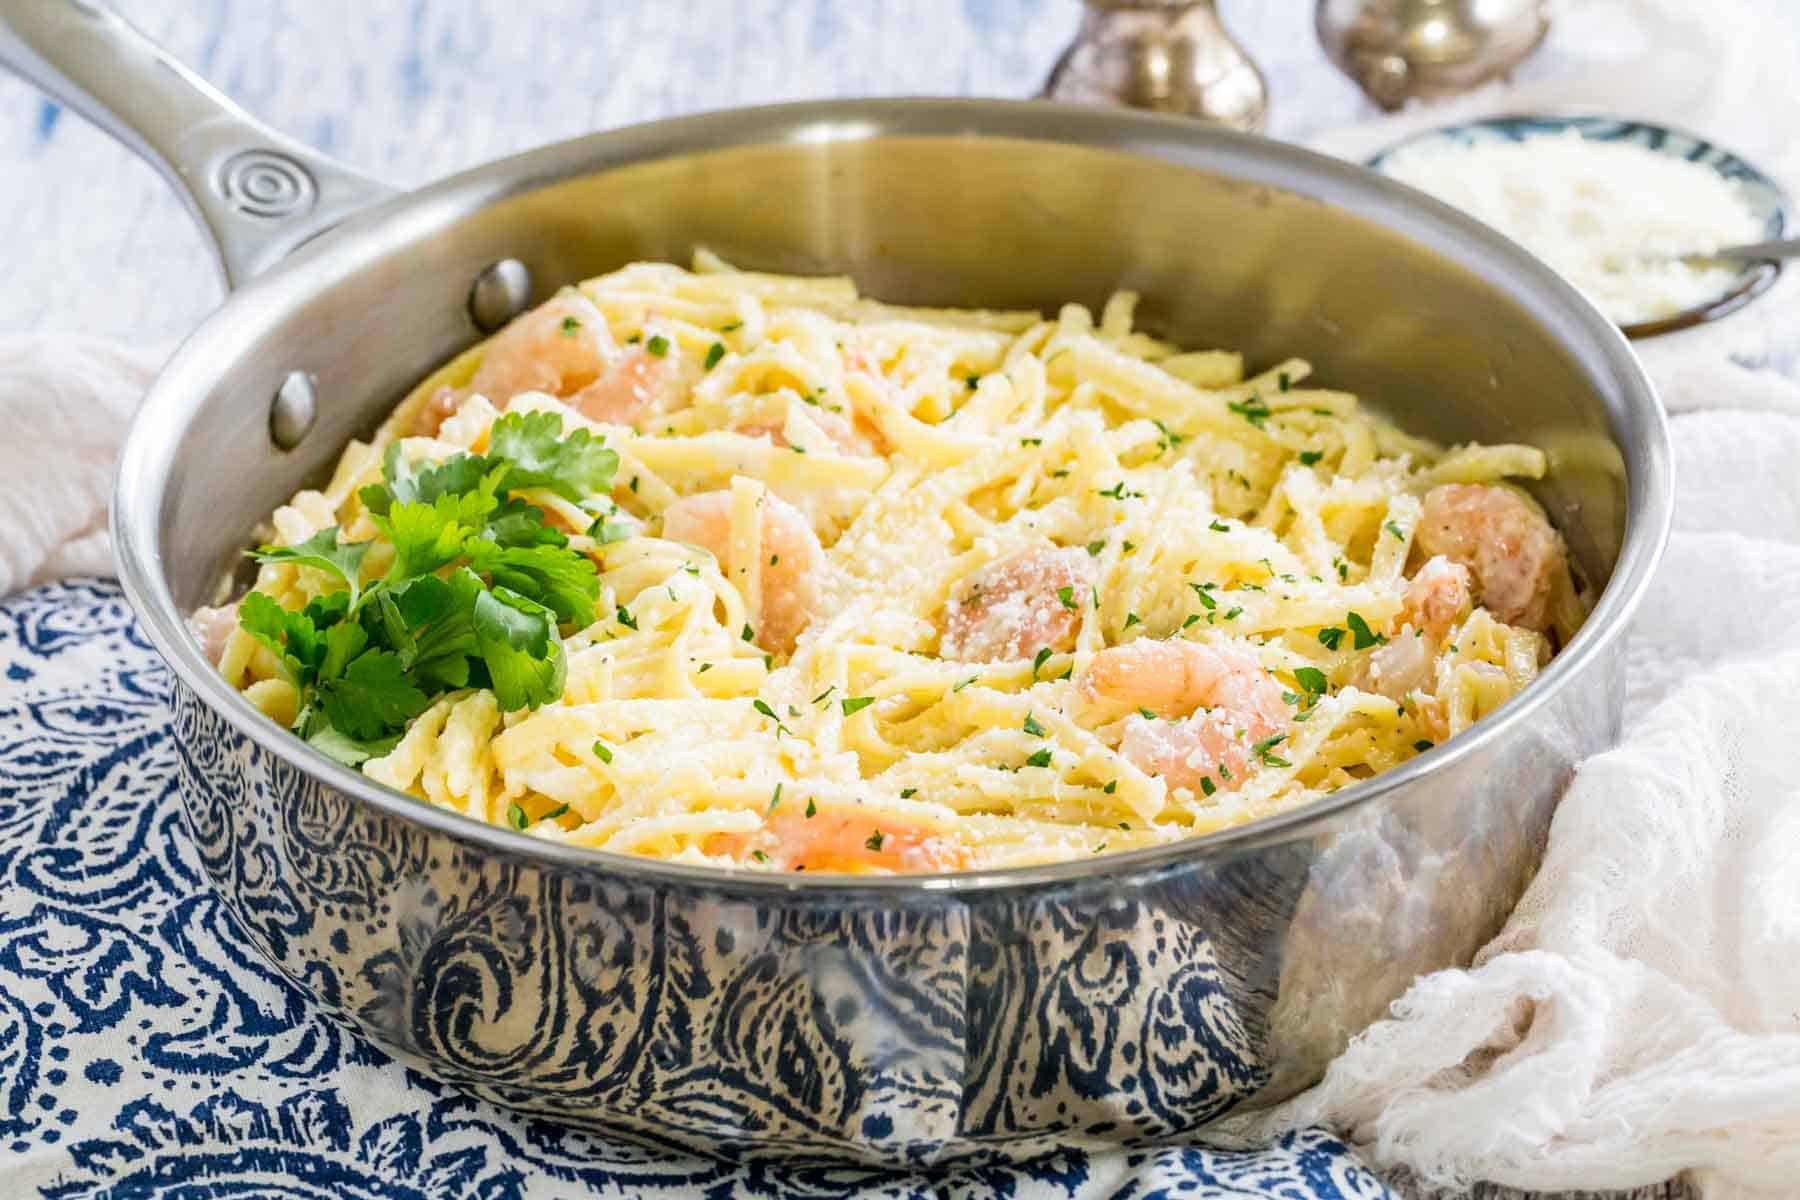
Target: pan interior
946	220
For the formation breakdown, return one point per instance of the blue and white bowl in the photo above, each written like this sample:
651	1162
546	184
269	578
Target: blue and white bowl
1767	200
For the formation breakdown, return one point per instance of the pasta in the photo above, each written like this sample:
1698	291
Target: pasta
894	589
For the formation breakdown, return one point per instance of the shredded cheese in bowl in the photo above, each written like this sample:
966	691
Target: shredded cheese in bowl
1610	216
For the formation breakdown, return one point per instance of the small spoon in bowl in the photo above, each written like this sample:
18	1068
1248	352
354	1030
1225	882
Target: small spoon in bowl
1748	252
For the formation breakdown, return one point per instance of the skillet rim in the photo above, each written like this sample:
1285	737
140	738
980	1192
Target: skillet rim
1639	426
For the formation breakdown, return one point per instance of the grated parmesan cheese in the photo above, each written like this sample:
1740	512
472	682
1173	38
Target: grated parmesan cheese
1600	213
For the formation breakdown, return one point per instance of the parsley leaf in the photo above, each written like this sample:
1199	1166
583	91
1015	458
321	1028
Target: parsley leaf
574	467
1312	680
855	704
1252	410
1365	637
520	646
324	551
1330	636
372	695
567	584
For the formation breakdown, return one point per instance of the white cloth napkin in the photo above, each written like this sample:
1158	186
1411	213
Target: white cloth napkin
65	402
1640	1014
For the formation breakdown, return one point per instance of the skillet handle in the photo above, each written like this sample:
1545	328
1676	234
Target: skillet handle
259	193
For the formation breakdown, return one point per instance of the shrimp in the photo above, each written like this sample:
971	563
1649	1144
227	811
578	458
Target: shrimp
1437	598
1400	666
559	348
791	574
1014	608
844	842
213	627
1227	705
1517	559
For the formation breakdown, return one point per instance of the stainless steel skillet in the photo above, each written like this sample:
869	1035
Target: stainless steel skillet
926	1019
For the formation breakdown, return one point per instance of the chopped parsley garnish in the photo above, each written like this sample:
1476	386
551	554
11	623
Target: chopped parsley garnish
625	618
874	842
1422	745
1207	786
1252	410
1040	758
1032	727
1192	620
1206	600
1037	662
1265	751
965	683
1309	457
1312	679
1281	380
1031	441
602	751
762	706
713	354
749	634
1119	491
1395	530
775	799
515	816
1146	714
554	813
1330	636
820	698
812	809
1112	785
731	326
607	532
570	326
1065	595
1219	526
1365	637
1233	613
908	793
1128	547
704	668
760	856
1094	548
1131	619
855	704
974	381
657	345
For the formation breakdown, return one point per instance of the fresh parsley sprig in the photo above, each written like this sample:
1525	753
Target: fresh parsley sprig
473	595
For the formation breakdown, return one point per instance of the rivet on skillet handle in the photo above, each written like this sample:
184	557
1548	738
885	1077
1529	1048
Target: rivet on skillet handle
260	194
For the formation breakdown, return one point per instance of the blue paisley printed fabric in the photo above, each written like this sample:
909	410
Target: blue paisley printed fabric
146	1050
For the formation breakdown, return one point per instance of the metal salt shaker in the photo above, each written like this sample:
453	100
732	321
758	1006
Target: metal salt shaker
1164	55
1401	50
